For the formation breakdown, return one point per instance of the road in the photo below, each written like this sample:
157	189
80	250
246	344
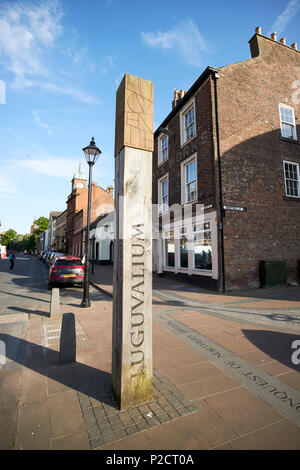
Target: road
23	294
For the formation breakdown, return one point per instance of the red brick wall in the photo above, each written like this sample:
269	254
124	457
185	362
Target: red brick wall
202	143
252	153
78	200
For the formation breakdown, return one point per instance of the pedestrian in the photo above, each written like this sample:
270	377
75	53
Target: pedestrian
12	260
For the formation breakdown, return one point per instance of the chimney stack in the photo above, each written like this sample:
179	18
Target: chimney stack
258	30
174	103
178	95
283	41
274	36
294	46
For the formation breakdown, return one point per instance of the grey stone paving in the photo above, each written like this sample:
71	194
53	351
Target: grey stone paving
287	318
272	390
105	423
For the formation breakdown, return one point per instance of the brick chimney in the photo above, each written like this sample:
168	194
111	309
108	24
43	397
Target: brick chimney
178	95
109	189
263	46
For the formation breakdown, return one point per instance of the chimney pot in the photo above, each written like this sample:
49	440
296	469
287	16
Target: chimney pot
178	95
283	41
274	36
294	46
258	30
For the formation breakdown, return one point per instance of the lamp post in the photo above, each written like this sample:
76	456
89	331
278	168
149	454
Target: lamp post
91	154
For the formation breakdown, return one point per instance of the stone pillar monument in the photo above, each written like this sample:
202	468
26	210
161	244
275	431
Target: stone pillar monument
132	301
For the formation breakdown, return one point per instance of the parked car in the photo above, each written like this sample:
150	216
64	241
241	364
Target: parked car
66	270
47	258
41	254
45	253
53	256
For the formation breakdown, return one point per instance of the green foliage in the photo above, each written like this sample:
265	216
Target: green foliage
42	224
8	236
18	242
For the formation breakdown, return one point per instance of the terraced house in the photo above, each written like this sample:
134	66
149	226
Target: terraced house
231	143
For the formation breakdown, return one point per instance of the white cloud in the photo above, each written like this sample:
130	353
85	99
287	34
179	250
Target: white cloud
36	113
25	32
7	188
67	90
52	166
184	38
285	17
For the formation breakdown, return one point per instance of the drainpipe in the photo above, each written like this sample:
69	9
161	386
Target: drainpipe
222	213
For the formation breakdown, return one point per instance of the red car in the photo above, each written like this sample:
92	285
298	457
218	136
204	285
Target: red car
66	270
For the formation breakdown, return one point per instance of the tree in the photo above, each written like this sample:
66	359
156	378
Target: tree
42	224
8	236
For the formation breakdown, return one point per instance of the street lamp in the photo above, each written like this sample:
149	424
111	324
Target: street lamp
91	154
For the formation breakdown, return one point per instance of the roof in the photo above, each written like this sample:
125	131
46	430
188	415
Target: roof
55	213
207	72
79	176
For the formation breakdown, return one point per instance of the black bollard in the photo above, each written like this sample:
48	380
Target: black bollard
67	352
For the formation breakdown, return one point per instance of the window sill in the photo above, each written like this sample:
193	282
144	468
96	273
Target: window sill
292	141
183	144
194	201
161	163
291	198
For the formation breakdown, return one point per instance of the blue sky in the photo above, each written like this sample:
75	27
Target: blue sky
61	62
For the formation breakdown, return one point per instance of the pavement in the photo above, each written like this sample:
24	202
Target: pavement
226	370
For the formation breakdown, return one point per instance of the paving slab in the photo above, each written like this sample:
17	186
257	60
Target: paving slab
223	382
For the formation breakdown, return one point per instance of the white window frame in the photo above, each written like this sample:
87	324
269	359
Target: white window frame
184	166
162	207
161	158
169	235
202	231
293	125
189	105
285	178
182	234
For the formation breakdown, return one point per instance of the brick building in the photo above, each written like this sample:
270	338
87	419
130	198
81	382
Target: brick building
231	144
76	217
60	232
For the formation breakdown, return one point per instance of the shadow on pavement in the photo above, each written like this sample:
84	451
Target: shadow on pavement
82	378
34	312
103	275
275	344
25	296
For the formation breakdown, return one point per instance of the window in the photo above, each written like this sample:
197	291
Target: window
170	250
190	181
162	149
292	179
189	124
202	246
183	248
287	122
187	120
66	262
163	194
